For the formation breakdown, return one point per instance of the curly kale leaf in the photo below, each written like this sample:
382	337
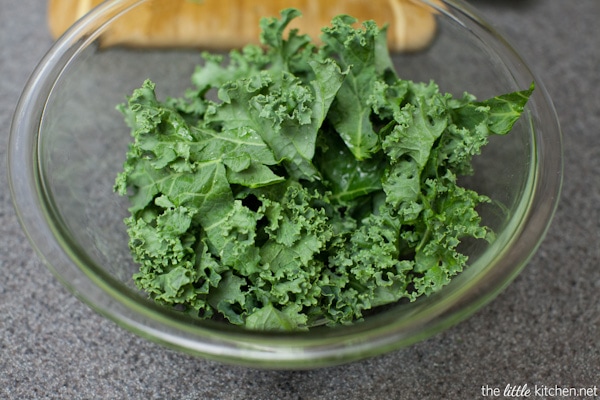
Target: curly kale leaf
292	54
419	124
284	111
368	270
448	216
362	54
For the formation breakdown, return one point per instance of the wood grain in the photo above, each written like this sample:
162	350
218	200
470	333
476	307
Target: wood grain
225	24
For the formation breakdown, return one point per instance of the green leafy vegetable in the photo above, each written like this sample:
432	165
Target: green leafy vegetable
317	186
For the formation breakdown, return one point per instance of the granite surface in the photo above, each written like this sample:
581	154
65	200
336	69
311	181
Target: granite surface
543	330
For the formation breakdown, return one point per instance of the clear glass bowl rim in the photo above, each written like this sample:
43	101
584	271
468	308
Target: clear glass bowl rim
229	344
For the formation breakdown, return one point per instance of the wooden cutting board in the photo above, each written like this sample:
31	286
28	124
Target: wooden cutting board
225	24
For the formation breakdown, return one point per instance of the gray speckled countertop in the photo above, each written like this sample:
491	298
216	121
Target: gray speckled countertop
544	329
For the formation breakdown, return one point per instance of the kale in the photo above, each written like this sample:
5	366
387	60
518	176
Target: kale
317	186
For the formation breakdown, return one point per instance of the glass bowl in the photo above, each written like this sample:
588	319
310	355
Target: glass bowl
68	143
